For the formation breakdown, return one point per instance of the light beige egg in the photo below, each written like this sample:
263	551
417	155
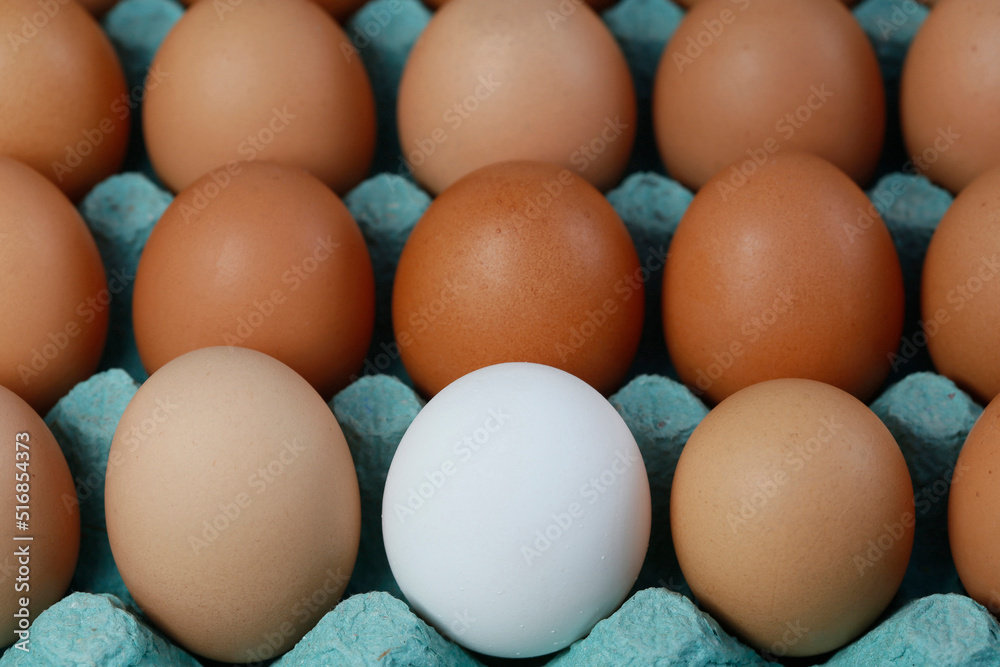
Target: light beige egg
232	504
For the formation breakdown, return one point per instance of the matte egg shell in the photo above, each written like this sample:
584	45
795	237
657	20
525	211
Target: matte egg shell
277	80
746	80
973	507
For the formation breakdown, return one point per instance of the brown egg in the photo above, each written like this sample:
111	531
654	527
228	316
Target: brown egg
950	92
232	504
518	261
261	256
38	490
743	80
960	291
519	79
64	106
275	80
784	273
341	9
98	7
973	507
792	515
53	293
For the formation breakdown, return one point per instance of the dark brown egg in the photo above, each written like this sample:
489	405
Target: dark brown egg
266	258
742	79
518	261
782	273
65	109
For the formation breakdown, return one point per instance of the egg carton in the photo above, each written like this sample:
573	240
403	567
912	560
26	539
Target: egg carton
929	622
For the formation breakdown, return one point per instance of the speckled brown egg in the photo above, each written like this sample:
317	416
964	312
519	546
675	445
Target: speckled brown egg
65	109
746	80
232	504
973	507
38	490
782	273
792	515
515	80
262	256
274	80
960	292
518	261
53	293
950	91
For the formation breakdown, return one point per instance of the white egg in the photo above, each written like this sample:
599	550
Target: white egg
516	512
